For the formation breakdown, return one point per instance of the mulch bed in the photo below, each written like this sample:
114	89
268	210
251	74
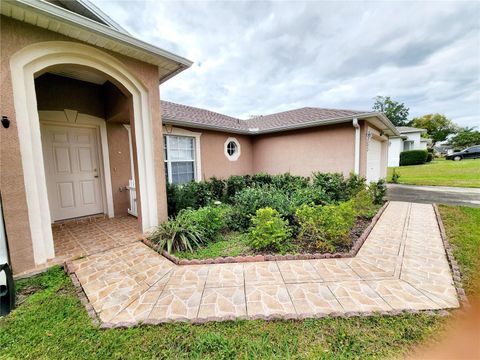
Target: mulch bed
358	235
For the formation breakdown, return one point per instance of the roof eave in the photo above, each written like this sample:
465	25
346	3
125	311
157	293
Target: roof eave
203	126
282	128
80	22
383	119
333	121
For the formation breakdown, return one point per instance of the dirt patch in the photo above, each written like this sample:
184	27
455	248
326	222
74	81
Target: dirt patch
25	292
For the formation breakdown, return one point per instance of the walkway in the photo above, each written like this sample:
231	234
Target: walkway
402	265
434	194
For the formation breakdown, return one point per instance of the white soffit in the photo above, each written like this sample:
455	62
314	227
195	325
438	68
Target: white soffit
57	19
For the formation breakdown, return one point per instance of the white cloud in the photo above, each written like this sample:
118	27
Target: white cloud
263	57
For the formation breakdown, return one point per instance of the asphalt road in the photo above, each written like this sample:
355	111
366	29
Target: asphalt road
434	194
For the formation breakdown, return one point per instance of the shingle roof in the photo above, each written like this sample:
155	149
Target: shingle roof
177	113
409	129
299	116
172	112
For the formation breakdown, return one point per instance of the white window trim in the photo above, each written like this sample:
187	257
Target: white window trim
235	156
170	130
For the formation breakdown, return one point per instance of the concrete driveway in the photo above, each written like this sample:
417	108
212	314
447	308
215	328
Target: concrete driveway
434	194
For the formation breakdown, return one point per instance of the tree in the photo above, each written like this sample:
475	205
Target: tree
438	126
466	137
395	111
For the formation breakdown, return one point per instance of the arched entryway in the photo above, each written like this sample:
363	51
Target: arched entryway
36	59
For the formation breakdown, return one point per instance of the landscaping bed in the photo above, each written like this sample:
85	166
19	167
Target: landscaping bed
264	217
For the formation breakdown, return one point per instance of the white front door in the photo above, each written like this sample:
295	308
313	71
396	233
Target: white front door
72	171
374	155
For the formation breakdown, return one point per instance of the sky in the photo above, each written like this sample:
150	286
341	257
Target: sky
256	58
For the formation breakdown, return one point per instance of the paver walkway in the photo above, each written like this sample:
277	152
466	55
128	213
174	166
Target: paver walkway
402	265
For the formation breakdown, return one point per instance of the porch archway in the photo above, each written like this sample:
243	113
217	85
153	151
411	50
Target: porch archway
24	65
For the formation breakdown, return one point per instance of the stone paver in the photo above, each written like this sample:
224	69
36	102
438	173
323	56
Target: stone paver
401	266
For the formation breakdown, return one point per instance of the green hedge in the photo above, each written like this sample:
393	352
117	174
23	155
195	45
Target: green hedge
413	157
429	157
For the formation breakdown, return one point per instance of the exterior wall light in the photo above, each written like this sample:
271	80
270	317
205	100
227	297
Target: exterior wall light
5	121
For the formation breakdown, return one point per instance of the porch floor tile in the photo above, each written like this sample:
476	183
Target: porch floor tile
82	237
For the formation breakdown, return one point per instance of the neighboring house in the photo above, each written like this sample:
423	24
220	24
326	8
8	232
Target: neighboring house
83	130
410	139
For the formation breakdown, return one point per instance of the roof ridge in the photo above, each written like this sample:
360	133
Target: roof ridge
197	108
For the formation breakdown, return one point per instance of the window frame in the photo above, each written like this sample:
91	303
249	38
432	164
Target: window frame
197	165
236	155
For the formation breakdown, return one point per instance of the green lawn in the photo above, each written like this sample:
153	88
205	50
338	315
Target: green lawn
462	225
465	173
52	324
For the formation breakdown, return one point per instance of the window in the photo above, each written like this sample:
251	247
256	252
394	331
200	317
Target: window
179	155
232	149
407	145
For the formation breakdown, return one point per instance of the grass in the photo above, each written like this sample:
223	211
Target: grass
462	225
52	324
233	244
440	172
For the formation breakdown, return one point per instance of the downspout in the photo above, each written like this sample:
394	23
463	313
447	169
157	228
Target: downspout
357	146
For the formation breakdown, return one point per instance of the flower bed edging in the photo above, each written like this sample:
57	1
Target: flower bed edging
456	273
270	257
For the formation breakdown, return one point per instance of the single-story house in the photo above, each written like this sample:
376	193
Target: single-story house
297	141
410	139
84	131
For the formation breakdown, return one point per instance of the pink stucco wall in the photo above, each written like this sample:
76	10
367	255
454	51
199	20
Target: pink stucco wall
301	152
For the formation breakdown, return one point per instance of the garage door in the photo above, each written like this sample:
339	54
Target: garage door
374	155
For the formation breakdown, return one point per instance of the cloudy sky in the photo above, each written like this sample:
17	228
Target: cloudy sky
253	58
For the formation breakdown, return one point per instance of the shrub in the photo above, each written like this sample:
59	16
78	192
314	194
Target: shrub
234	185
413	157
328	226
354	184
288	182
395	177
429	157
179	234
209	220
172	199
190	195
378	190
261	179
363	204
269	231
248	201
217	188
333	184
308	195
